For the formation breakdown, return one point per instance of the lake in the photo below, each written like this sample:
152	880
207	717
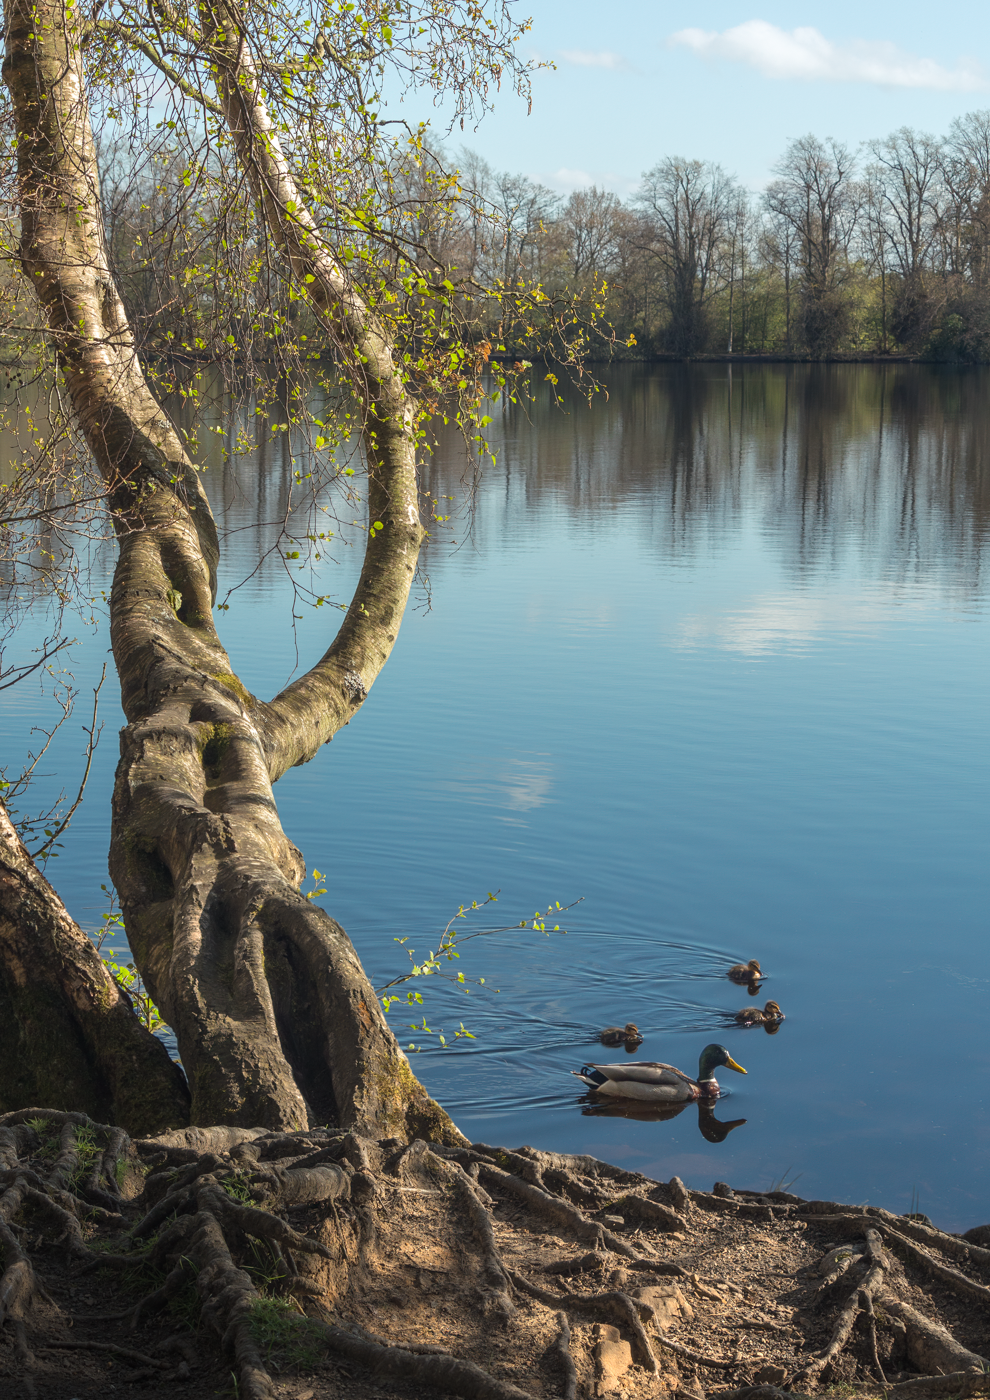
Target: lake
711	655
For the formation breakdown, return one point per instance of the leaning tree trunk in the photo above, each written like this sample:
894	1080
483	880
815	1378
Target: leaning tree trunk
276	1022
69	1037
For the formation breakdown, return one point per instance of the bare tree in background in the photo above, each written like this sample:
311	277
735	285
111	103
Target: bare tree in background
688	208
901	217
815	193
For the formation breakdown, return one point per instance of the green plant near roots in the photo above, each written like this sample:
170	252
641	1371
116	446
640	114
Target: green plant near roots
284	1335
85	1140
265	1267
237	1188
88	1150
448	950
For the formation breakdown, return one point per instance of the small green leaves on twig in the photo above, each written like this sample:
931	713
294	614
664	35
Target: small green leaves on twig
318	888
448	948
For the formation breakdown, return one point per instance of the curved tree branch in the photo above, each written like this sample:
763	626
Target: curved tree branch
310	711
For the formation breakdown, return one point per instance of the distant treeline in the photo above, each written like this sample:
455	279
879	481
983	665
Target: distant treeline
885	251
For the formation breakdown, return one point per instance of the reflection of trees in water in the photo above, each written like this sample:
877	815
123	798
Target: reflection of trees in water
890	462
884	461
250	490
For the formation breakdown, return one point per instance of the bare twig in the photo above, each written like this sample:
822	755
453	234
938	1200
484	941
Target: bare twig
91	743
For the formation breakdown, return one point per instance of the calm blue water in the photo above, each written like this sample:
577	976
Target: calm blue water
713	655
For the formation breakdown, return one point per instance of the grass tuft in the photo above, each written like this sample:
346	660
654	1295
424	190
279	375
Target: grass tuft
284	1336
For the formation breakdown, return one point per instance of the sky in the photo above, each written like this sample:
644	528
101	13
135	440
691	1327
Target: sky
731	81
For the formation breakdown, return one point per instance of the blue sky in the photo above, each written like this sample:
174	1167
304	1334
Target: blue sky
728	81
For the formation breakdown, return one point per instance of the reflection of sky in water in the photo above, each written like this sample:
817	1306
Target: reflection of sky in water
515	783
720	665
770	624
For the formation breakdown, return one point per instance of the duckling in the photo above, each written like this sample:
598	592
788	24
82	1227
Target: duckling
618	1035
753	1016
746	972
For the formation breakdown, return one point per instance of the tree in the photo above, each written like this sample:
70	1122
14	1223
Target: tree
275	1020
690	207
814	193
966	224
779	246
592	222
902	213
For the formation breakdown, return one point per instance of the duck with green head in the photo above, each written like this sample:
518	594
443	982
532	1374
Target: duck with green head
656	1083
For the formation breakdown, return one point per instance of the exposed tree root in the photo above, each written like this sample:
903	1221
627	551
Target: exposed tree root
897	1234
931	1348
444	1373
562	1347
858	1299
617	1307
871	1317
961	1383
559	1212
128	1353
856	1217
958	1282
497	1293
287	1245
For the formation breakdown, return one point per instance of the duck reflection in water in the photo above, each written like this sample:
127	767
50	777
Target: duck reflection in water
710	1127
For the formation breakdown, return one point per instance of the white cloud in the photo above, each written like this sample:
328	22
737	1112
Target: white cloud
584	58
805	53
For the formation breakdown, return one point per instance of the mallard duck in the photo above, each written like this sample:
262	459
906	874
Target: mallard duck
753	1016
656	1083
619	1035
746	972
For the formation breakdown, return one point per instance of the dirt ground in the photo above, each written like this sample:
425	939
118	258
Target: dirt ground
551	1276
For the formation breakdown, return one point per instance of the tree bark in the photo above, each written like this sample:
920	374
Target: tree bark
69	1037
276	1022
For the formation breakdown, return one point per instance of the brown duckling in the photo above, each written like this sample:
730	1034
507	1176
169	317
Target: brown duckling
754	1016
627	1035
746	972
